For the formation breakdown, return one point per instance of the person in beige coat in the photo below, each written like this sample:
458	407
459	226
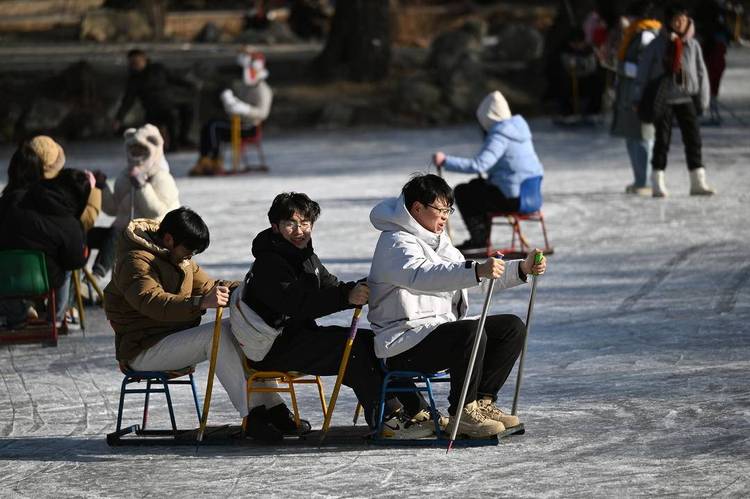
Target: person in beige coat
156	299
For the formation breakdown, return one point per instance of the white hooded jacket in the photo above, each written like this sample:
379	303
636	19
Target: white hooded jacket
418	280
157	197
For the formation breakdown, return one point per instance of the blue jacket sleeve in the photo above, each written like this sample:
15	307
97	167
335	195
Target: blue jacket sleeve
492	150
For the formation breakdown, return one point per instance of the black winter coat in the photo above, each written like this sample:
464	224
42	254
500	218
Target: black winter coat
289	287
45	218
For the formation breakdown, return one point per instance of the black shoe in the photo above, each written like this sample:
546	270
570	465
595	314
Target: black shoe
259	426
283	419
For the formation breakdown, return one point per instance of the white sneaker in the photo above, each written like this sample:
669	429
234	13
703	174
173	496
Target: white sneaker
399	427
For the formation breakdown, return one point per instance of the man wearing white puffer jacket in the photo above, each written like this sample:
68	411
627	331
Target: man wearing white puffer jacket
419	303
144	189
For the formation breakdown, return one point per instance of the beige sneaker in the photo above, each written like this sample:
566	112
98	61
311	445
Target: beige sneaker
493	412
424	417
474	424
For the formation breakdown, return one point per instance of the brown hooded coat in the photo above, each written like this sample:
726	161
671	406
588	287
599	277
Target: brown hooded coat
149	297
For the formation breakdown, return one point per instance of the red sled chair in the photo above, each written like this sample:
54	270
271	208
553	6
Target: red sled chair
24	275
530	210
240	145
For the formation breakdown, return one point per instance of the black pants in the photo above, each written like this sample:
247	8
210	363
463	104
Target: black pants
319	352
691	136
449	347
177	117
475	200
216	131
105	240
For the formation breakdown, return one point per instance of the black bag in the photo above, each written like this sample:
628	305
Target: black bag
654	100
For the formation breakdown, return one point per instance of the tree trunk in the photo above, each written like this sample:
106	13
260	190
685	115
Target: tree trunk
359	44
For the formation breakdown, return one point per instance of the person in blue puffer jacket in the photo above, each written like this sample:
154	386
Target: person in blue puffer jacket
507	157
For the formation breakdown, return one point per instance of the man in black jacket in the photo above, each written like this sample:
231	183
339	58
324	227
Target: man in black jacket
152	85
287	288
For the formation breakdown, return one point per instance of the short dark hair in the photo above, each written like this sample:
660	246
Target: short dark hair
675	9
426	189
136	53
186	228
285	204
25	168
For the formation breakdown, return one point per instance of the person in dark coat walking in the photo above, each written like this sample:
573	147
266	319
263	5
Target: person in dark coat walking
286	289
153	85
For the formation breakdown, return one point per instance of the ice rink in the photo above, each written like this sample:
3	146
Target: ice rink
637	380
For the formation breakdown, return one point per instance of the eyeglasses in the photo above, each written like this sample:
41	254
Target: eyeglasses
292	225
443	211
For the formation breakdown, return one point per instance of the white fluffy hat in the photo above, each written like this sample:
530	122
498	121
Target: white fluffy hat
493	108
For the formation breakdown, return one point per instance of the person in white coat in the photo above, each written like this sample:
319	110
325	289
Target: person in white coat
419	302
144	189
250	99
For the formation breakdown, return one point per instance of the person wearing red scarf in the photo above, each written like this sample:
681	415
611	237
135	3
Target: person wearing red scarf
676	56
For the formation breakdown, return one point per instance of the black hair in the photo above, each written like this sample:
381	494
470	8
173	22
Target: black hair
675	9
426	189
285	204
136	53
186	228
25	168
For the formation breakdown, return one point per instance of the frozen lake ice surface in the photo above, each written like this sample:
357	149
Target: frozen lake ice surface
637	376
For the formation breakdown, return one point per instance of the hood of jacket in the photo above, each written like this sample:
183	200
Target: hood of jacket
140	234
515	129
391	215
144	148
270	242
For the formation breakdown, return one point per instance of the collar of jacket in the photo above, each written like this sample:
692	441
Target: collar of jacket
270	242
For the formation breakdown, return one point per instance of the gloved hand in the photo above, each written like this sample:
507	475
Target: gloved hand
138	177
101	179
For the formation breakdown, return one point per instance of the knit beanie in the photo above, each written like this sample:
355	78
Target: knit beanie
493	108
51	154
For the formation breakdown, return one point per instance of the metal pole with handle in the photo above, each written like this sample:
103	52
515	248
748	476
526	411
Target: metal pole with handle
537	260
470	368
342	371
211	372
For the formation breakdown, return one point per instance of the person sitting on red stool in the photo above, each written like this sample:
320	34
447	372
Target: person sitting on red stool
250	99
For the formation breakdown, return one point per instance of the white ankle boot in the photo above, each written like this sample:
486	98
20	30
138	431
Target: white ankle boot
658	185
698	185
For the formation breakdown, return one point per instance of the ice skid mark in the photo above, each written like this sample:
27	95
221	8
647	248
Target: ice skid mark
728	296
659	276
9	427
387	478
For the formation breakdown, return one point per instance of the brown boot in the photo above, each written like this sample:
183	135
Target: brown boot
216	167
490	410
474	424
201	167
